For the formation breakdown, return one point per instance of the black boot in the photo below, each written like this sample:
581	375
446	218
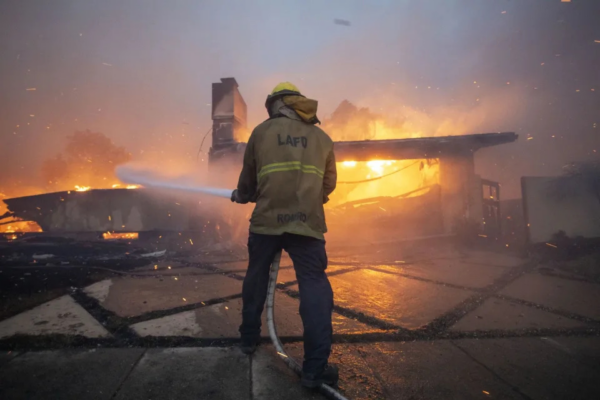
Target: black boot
248	346
329	376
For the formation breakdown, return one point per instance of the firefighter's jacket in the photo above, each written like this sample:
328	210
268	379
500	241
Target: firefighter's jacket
289	171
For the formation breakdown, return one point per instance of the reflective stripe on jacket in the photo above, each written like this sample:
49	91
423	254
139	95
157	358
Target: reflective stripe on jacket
289	171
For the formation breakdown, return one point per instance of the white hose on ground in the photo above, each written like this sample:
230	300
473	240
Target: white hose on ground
325	389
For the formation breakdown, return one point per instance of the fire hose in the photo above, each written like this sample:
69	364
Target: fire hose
130	176
289	361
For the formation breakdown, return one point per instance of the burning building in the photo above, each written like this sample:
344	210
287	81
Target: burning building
415	187
387	189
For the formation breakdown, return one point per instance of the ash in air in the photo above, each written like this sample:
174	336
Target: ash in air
341	22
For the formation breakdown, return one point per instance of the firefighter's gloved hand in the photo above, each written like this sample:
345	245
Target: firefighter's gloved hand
236	198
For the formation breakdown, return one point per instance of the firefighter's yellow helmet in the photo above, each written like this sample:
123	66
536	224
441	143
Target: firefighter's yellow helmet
285	87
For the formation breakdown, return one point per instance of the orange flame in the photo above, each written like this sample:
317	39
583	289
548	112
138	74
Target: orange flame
120	235
16	228
374	178
118	185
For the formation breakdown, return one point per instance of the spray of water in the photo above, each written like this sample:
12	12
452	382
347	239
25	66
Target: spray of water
150	180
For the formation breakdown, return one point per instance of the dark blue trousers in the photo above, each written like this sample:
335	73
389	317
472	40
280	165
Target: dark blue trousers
316	297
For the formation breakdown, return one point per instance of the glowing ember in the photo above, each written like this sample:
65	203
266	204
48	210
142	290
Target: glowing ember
82	188
120	235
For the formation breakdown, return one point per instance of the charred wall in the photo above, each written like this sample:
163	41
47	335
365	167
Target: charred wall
115	210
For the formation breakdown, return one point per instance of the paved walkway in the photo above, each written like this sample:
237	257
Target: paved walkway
420	324
516	368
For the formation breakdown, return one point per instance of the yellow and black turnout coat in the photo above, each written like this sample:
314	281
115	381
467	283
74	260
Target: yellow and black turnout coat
289	171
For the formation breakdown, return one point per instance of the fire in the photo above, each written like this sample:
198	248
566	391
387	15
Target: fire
16	228
359	180
115	186
118	185
9	233
120	235
378	166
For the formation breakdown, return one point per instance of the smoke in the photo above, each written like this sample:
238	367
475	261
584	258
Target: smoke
142	75
397	121
88	159
201	191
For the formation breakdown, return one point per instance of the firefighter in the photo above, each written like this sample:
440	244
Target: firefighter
289	171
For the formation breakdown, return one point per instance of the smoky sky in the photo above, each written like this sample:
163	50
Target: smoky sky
141	73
